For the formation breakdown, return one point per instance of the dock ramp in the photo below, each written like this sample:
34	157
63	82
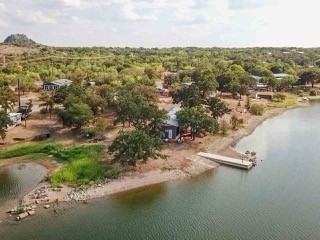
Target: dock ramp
227	160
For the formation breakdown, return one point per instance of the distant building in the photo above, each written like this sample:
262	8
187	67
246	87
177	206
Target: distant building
263	86
56	84
280	75
260	94
171	128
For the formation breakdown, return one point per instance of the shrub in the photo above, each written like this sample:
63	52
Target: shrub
43	111
90	133
313	92
224	127
279	97
301	93
257	109
235	122
111	174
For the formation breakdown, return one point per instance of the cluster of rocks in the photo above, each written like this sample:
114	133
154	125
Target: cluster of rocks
43	192
23	212
81	195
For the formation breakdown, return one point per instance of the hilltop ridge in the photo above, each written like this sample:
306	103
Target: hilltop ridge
19	39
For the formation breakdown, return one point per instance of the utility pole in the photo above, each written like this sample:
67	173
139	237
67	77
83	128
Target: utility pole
19	93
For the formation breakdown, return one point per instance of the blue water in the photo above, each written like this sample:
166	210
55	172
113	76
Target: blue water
278	199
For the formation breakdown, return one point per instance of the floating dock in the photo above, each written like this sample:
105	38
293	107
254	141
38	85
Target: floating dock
226	160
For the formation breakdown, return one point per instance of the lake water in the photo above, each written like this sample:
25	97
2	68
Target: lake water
17	179
278	199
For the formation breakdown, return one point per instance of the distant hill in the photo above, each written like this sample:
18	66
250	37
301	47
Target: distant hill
19	39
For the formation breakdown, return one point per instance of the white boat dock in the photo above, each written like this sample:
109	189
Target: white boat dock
227	160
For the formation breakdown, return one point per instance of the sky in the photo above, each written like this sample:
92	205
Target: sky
163	23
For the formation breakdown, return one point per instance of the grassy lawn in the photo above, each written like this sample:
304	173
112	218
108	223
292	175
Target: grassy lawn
290	101
82	163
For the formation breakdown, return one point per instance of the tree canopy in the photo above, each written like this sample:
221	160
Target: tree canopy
131	146
197	119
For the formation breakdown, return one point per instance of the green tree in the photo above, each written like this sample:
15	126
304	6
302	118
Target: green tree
95	101
217	107
4	121
100	126
126	107
188	96
272	82
7	96
131	146
107	92
150	118
29	105
46	97
205	79
309	76
170	79
197	119
77	115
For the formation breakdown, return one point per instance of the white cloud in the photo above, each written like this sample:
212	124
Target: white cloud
150	22
78	20
3	23
2	7
36	17
72	3
127	9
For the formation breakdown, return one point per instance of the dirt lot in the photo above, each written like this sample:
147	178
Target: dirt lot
177	153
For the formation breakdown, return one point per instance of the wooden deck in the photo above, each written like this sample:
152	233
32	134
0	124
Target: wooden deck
226	160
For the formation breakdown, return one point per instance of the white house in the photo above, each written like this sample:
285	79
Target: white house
56	84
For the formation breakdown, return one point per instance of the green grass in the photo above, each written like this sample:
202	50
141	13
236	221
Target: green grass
78	171
81	162
290	101
81	165
28	149
71	153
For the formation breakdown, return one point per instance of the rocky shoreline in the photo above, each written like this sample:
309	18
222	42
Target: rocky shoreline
45	194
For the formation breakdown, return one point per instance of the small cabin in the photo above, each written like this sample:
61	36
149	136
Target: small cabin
56	84
171	128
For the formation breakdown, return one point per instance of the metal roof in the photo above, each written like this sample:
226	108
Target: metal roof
280	75
172	117
61	82
256	77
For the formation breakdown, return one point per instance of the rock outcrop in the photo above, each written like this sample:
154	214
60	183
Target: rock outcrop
19	39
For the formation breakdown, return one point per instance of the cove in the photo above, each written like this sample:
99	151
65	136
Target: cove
278	199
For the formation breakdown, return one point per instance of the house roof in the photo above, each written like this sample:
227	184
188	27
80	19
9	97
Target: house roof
60	82
276	75
256	77
172	117
280	75
186	84
265	93
14	114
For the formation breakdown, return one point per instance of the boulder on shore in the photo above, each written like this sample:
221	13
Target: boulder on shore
31	212
22	216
